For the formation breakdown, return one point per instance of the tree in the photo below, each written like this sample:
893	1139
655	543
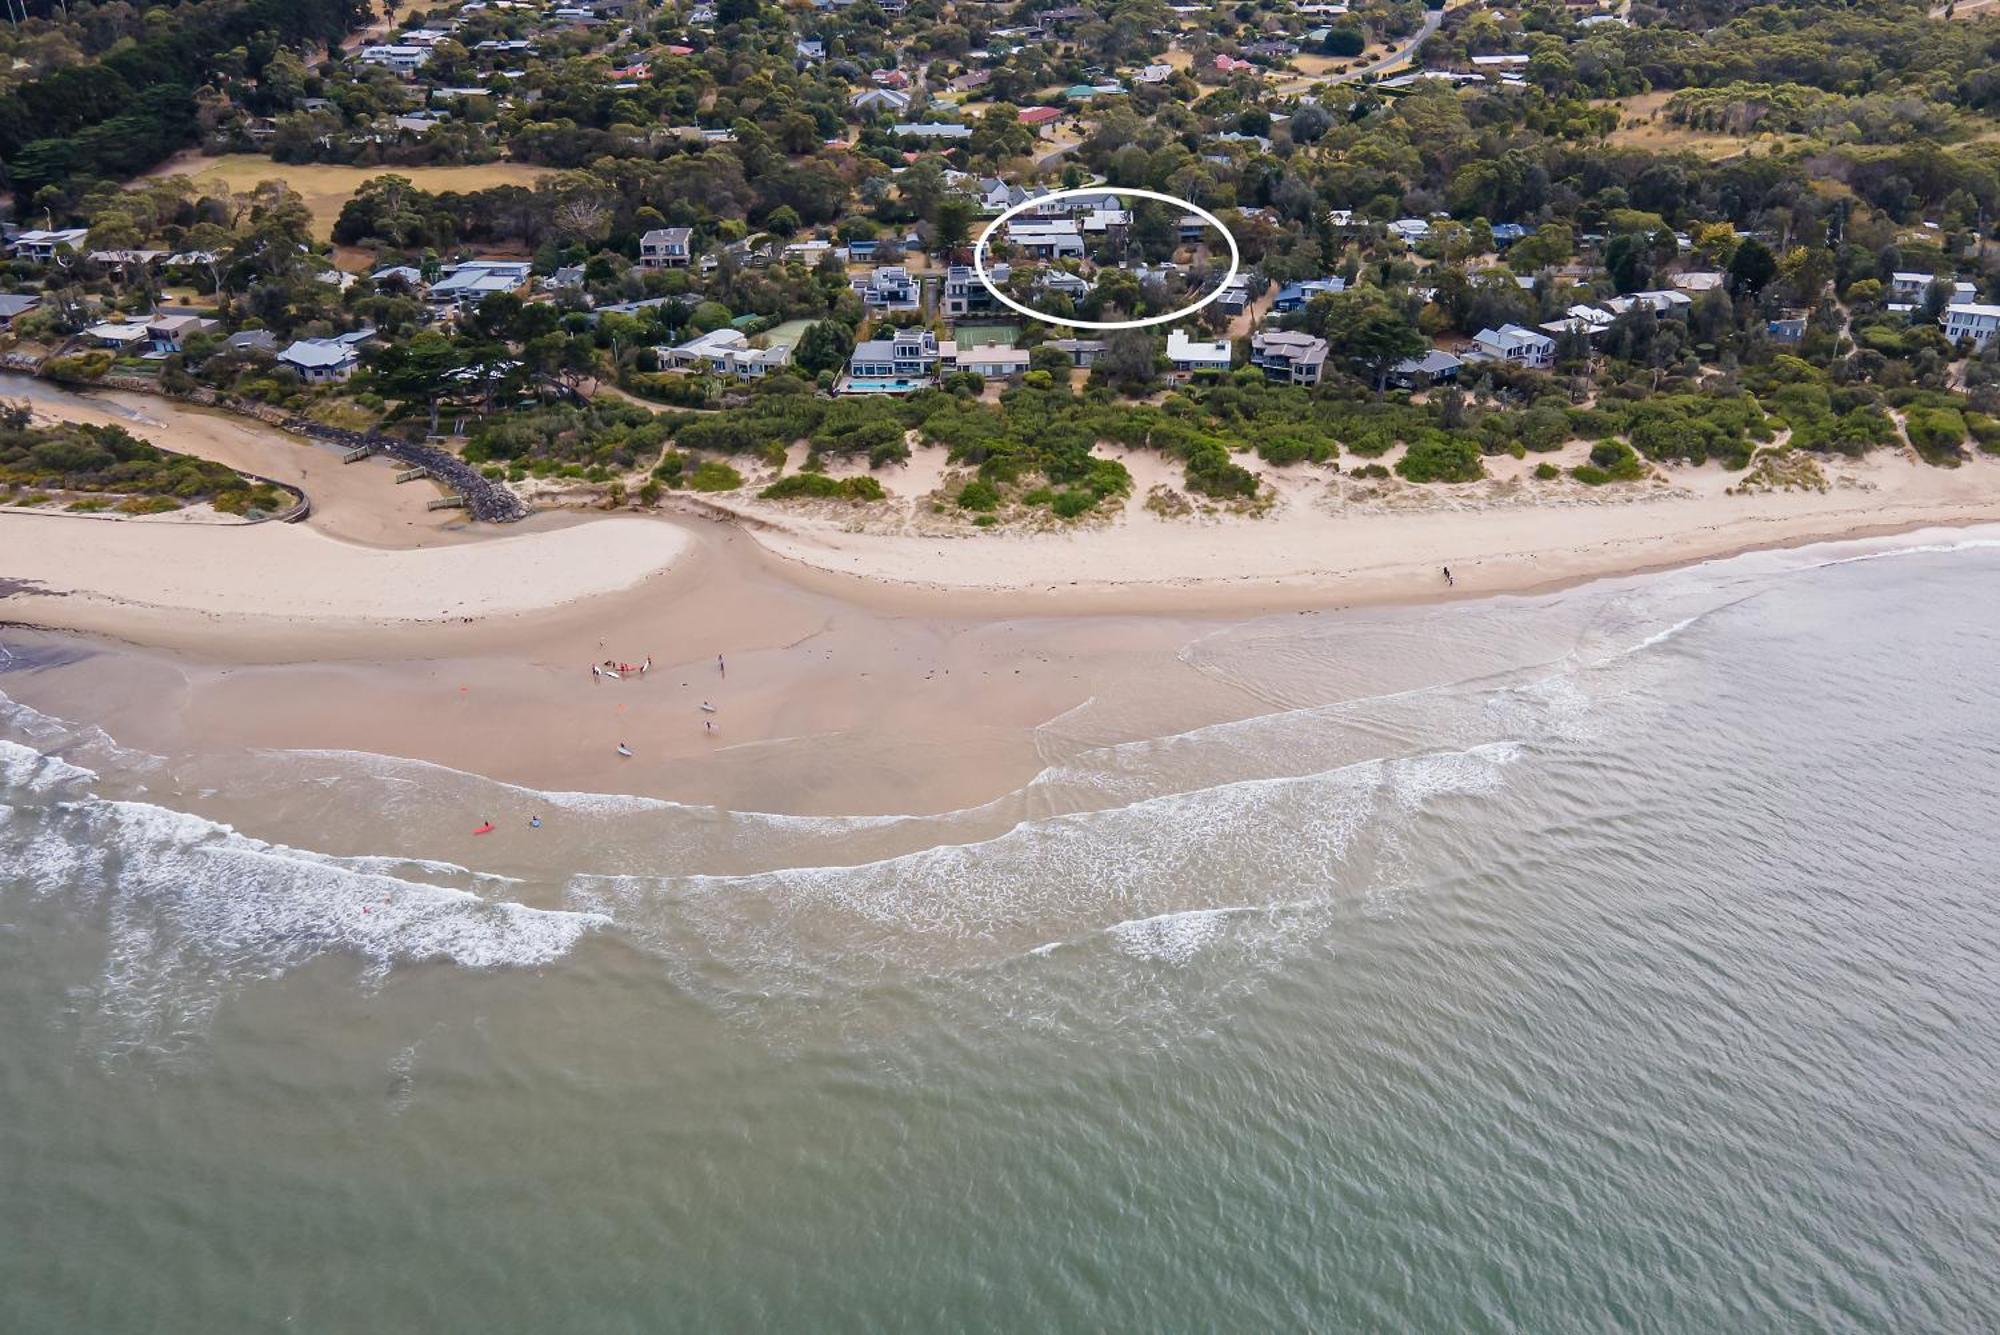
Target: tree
1130	359
954	225
1368	331
825	346
1751	267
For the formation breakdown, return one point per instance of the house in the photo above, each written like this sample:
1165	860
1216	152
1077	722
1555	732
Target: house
1506	234
1789	327
1191	358
932	130
1192	230
1411	231
1046	240
889	79
907	359
1500	62
992	362
1234	296
1107	224
889	288
1228	64
474	280
1699	281
667	248
321	361
970	80
1912	287
123	337
1154	74
965	295
169	332
1668	303
40	245
811	49
727	352
1287	357
404	58
1082	351
13	305
1586	320
1433	368
255	341
1513	344
1039	118
1971	320
880	99
1063	283
1271	49
1297	296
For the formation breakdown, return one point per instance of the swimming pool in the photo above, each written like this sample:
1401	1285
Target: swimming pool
880	385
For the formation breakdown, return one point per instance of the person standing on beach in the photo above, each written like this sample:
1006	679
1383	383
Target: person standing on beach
1448	580
719	667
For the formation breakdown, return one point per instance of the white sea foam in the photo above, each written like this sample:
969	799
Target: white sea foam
1171	938
24	769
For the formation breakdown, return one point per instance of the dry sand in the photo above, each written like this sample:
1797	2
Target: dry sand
881	658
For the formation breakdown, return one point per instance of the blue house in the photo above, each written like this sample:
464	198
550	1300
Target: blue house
1296	296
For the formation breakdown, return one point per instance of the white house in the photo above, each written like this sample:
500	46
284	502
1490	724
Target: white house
931	130
1911	287
990	361
41	245
1971	320
666	247
1512	343
321	361
889	288
473	280
727	352
1189	356
1046	240
404	58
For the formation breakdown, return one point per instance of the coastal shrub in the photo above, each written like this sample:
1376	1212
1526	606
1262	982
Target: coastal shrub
1039	496
1547	472
818	486
1070	504
1211	472
108	459
1442	459
1610	461
148	505
672	464
1985	430
979	494
714	475
89	505
1936	432
649	491
1374	472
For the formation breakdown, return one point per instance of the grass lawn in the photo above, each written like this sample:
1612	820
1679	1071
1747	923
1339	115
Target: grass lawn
1643	124
326	186
791	331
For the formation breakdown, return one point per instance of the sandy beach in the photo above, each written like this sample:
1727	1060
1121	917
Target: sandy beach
880	658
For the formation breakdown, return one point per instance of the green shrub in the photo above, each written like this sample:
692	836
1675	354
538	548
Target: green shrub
1442	459
1610	461
1547	472
714	475
1936	432
1070	504
979	495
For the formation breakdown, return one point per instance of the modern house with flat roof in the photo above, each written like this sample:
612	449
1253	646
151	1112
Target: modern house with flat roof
1514	344
1046	239
1191	357
1971	319
904	362
889	288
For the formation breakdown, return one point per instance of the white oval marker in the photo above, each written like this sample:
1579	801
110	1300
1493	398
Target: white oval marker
979	257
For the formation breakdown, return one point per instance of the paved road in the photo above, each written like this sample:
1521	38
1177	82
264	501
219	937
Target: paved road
1432	18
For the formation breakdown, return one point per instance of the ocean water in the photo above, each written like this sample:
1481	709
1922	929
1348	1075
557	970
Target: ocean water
1627	958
